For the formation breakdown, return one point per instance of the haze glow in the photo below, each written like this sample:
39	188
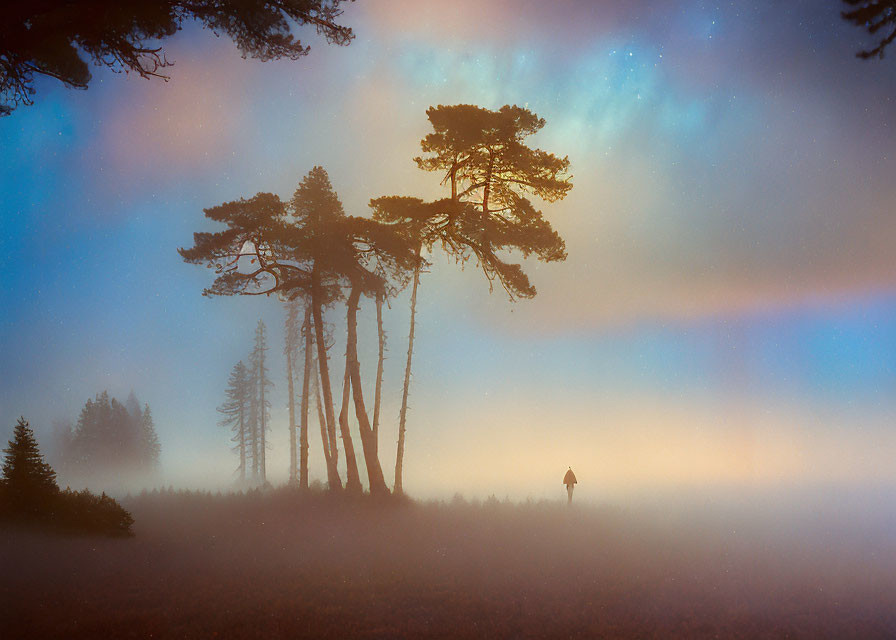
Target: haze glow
726	316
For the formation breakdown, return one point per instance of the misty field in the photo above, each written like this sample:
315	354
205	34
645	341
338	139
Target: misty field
281	566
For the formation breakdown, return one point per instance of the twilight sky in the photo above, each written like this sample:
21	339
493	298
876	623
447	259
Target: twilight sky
726	316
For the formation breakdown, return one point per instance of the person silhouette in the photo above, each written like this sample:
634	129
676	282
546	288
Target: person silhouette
570	481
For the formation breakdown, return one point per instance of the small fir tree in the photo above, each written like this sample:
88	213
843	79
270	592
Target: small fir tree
28	482
28	492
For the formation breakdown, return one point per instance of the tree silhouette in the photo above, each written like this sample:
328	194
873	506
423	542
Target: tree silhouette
380	362
291	349
311	249
258	376
236	413
307	371
57	38
29	483
298	347
329	447
244	254
251	257
28	492
317	212
489	170
421	227
363	255
382	254
878	18
111	440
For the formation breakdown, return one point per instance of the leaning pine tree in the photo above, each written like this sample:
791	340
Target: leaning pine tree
488	169
376	255
280	244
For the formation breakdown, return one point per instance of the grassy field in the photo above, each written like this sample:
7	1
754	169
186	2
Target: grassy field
281	566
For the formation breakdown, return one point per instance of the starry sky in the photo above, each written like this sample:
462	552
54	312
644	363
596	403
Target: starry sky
726	316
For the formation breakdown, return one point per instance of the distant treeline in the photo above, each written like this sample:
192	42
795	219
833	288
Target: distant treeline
111	443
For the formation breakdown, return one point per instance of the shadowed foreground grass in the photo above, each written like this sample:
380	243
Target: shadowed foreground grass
281	566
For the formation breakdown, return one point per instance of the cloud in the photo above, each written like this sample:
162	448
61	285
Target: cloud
503	21
726	160
180	125
706	180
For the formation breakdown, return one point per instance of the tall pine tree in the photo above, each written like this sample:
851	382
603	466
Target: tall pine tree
236	410
318	212
482	157
260	384
298	361
29	483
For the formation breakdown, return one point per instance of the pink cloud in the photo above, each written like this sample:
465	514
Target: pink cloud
501	20
182	124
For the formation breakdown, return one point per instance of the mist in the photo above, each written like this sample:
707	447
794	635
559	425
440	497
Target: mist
369	319
688	568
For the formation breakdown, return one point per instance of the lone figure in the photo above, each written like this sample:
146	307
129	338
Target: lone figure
570	481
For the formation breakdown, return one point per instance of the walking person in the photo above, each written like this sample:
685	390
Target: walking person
570	481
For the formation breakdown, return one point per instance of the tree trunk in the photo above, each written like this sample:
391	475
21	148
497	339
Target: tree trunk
352	477
253	434
292	409
486	192
243	439
402	416
368	442
454	178
306	375
333	468
263	425
322	421
378	389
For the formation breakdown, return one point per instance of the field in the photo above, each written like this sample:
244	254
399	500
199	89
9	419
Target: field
284	566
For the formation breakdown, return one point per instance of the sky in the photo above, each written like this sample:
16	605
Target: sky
726	315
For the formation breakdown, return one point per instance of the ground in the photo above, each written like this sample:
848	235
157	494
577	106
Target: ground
281	566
